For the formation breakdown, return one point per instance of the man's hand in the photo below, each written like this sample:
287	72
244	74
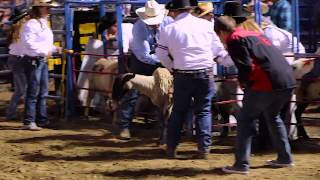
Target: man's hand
59	50
49	54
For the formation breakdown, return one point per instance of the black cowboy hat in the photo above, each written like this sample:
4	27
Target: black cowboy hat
235	10
18	15
108	20
169	5
181	4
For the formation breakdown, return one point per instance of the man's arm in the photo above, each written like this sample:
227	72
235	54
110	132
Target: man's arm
285	18
221	55
162	51
242	59
141	47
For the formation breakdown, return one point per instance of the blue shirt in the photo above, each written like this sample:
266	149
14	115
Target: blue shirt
145	39
280	13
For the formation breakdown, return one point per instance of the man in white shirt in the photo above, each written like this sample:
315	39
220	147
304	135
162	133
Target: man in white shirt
186	47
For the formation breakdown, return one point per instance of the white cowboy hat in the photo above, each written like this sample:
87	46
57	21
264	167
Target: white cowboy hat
152	13
44	3
205	7
264	7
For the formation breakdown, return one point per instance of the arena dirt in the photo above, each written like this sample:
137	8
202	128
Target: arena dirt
88	150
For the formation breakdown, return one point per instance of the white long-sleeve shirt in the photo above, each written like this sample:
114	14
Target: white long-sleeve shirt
37	38
282	39
126	38
191	43
16	48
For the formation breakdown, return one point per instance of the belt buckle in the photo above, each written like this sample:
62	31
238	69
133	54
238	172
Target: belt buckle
34	62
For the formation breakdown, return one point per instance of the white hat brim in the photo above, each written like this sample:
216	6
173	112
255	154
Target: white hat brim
151	20
264	7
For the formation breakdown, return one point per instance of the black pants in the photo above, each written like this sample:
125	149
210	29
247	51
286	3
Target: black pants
138	67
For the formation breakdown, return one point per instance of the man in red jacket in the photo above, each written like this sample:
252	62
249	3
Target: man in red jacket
268	84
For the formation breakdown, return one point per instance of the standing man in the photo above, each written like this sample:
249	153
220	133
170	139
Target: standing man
280	14
143	61
268	82
186	48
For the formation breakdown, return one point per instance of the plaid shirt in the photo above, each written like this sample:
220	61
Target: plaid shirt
280	13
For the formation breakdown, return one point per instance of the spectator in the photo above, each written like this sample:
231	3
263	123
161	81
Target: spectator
16	66
280	14
37	39
107	23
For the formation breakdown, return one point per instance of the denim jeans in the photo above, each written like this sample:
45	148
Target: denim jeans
269	104
36	72
19	80
128	102
200	88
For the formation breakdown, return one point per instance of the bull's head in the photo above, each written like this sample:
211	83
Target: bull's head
119	88
302	66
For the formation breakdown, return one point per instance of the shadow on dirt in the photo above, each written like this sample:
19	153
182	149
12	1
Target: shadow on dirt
167	172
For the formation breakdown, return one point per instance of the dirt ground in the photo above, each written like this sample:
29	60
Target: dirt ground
89	150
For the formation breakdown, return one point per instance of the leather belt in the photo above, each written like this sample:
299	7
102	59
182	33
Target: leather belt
16	56
35	57
192	71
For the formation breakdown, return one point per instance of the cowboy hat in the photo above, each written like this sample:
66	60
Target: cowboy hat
169	5
44	3
205	8
235	10
108	20
152	13
18	15
183	4
263	6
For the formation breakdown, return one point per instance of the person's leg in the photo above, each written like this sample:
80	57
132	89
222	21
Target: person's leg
202	110
261	141
277	128
43	76
254	103
181	104
288	116
128	102
31	93
19	81
126	109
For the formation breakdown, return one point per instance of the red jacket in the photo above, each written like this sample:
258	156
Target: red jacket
261	65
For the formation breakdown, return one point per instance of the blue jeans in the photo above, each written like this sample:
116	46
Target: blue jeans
19	80
128	102
200	87
36	72
269	104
